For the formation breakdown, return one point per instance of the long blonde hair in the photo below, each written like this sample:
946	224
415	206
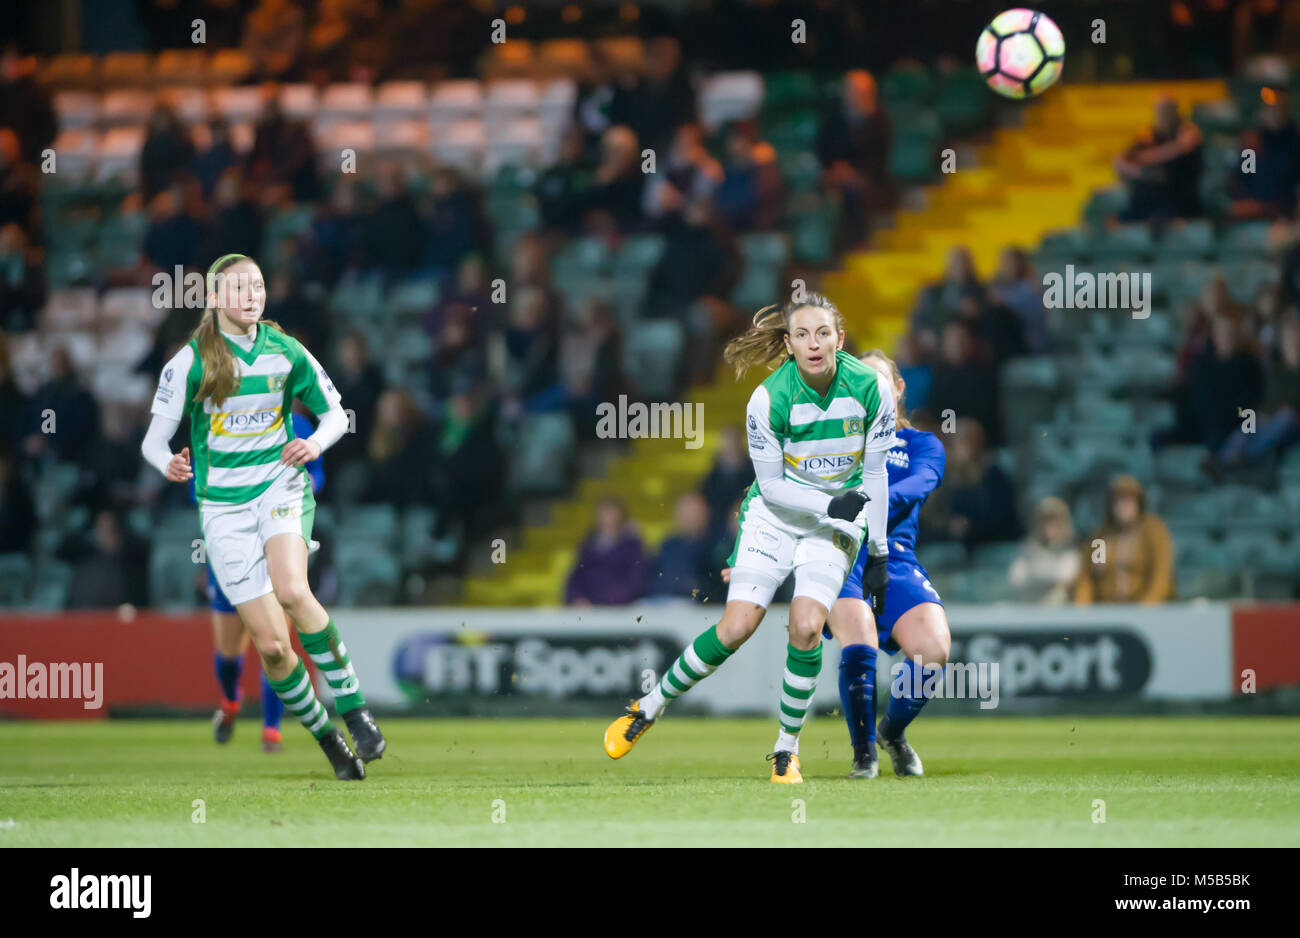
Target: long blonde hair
764	341
895	377
220	379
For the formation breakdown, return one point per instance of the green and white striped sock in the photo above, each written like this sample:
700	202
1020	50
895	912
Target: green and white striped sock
331	656
300	699
699	659
801	670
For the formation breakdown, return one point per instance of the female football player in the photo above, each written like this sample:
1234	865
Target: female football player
237	379
231	641
819	427
912	619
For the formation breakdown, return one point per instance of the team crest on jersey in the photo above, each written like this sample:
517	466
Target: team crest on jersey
284	512
843	542
277	382
852	426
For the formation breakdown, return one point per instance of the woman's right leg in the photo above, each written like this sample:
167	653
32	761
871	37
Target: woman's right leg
854	627
269	629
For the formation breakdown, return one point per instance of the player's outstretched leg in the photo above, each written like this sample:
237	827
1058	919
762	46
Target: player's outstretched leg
300	699
329	652
272	712
697	661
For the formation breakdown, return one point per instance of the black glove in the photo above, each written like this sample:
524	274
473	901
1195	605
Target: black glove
874	580
846	506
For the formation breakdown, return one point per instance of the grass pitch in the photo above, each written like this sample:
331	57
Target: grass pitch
1170	781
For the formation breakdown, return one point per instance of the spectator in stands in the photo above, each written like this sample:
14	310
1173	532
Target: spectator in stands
395	236
611	568
401	451
530	267
1130	558
701	258
594	105
469	301
1163	169
22	279
360	384
215	157
18	185
662	99
326	55
282	161
62	416
467	457
724	542
13	404
590	363
1224	378
1271	190
274	36
460	354
173	238
613	201
688	172
110	569
370	41
332	246
915	370
1000	331
965	382
25	107
457	226
751	196
167	153
1278	421
1047	566
1016	286
287	302
981	501
560	188
235	223
940	301
17	510
522	355
681	568
730	476
853	147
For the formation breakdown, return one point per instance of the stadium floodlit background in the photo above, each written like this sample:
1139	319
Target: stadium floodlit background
463	230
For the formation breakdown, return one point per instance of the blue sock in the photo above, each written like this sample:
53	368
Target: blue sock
228	672
907	696
858	696
272	705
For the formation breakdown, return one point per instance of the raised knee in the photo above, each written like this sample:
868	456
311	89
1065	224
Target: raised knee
274	653
292	595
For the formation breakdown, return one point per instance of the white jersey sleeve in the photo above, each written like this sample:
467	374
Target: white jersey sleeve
880	435
169	399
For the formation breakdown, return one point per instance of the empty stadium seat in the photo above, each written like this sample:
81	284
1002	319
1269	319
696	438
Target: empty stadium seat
652	355
454	101
76	110
542	454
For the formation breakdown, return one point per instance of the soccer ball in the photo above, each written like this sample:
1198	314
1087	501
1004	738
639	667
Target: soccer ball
1020	53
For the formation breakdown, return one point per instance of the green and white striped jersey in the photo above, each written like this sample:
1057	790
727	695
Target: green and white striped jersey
236	448
820	440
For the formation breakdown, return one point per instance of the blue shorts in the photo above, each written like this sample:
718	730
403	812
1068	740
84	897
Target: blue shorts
217	599
909	586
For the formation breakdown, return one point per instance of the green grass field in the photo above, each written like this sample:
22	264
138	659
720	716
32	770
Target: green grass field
1172	781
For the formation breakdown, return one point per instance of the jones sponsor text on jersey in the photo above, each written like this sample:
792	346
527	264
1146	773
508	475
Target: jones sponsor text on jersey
246	422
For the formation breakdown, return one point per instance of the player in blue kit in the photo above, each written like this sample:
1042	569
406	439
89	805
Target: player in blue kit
910	618
231	640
